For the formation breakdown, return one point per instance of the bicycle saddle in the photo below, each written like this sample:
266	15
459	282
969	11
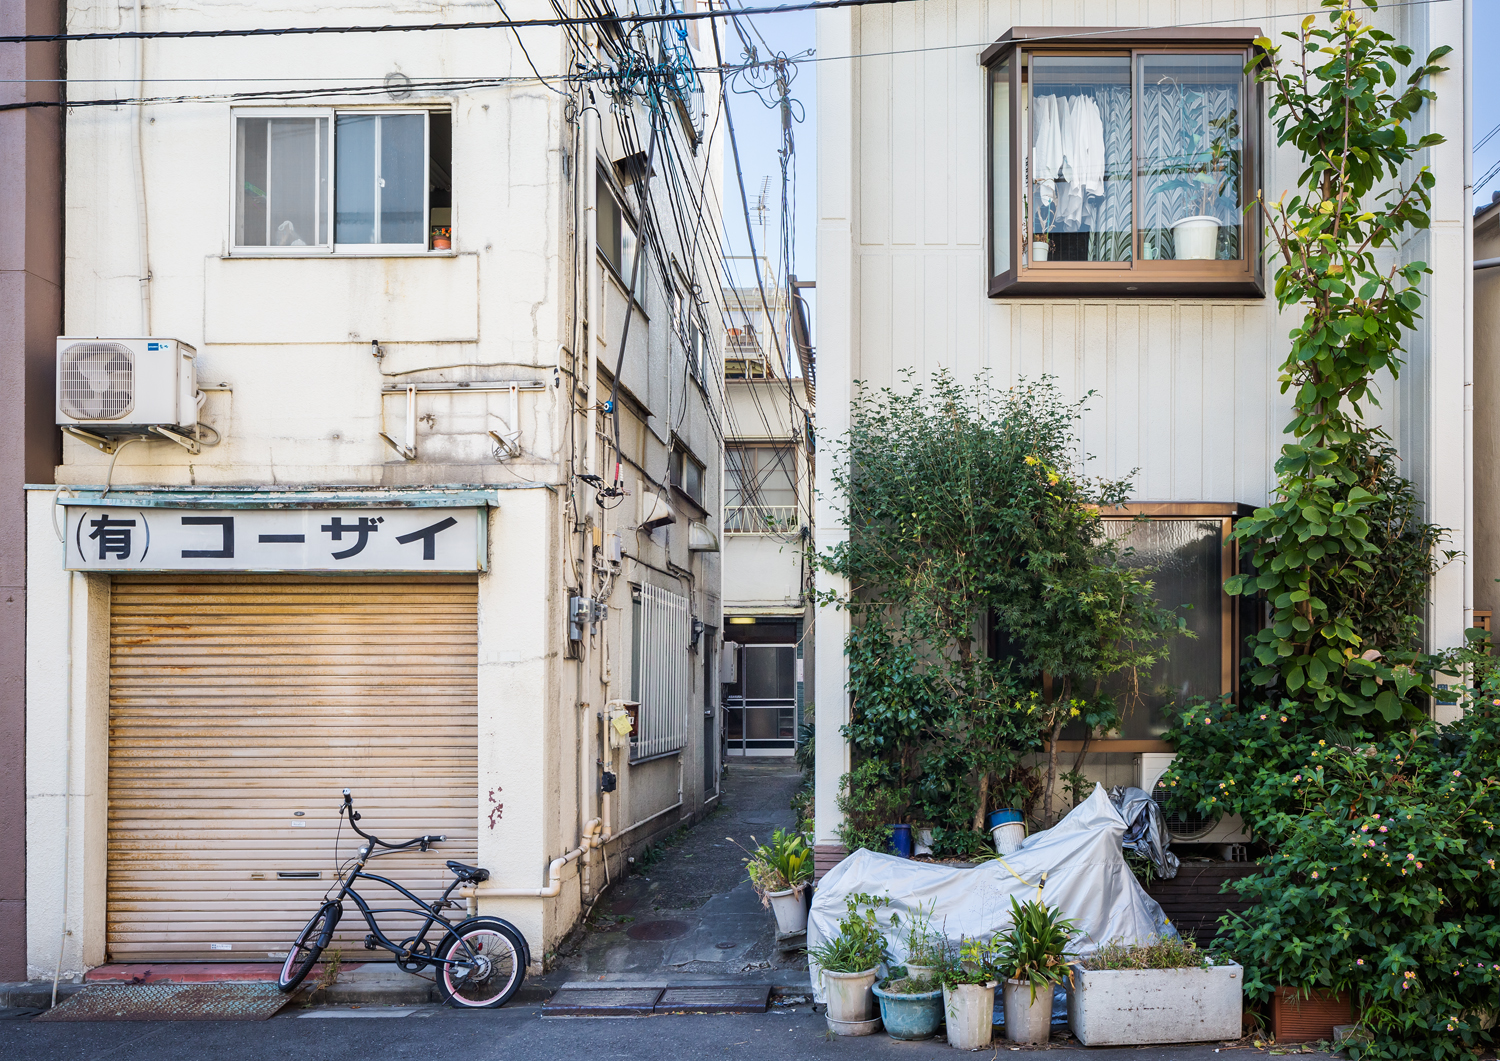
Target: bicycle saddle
468	873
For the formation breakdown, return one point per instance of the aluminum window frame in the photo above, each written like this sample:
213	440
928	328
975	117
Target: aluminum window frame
332	248
1243	278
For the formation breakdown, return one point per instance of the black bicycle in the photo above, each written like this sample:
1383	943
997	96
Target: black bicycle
480	961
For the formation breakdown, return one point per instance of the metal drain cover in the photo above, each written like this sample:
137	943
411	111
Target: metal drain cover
733	998
658	930
234	1001
602	1002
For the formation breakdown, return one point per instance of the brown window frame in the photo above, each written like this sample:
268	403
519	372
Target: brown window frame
1231	623
1136	278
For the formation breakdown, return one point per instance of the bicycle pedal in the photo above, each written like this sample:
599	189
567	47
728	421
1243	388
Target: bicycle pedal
370	942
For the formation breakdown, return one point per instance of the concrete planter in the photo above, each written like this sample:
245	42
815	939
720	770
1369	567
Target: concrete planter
1028	1012
790	909
970	1012
1131	1007
850	996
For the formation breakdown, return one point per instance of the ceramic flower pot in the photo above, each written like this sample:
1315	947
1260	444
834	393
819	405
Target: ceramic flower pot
1028	1019
911	1016
1196	238
850	995
920	972
790	910
970	1012
1039	250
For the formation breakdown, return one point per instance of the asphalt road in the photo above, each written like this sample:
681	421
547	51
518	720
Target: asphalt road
514	1034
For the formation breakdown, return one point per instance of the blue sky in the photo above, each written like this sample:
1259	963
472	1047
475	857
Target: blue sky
793	33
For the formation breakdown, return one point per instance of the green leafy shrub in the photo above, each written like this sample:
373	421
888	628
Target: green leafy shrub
860	944
964	511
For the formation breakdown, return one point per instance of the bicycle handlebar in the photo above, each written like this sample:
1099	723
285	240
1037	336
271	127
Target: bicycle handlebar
348	808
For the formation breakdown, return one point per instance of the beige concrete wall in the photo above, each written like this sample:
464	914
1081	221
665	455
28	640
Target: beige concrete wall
1486	420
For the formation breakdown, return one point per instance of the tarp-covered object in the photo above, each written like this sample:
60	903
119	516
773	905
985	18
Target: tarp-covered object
1145	828
1081	857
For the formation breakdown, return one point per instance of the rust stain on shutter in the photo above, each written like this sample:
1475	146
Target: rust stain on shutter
237	701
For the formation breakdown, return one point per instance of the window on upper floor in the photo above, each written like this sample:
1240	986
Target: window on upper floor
687	475
760	489
617	235
1123	163
324	181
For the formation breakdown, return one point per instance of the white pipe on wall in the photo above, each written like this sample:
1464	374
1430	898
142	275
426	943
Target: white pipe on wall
142	222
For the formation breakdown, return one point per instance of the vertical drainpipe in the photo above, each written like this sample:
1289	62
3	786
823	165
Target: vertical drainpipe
144	233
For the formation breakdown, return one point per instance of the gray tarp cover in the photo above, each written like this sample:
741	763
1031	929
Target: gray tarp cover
1081	857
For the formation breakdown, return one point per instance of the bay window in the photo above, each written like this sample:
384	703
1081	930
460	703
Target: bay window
320	181
1123	162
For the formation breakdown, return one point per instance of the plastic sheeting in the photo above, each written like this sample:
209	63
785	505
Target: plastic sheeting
1081	858
1145	828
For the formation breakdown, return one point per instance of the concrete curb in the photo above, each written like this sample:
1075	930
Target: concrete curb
33	994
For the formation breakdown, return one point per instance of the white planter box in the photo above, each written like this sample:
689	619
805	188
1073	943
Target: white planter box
1130	1007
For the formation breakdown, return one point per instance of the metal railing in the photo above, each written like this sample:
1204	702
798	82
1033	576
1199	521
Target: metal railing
760	519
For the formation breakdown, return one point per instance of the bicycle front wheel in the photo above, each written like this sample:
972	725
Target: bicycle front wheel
486	967
307	947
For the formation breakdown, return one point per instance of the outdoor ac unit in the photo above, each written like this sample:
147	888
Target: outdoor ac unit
124	386
1186	825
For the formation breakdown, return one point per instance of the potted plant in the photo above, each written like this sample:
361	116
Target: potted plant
1041	224
781	871
910	1007
848	964
925	948
1167	991
969	995
1034	959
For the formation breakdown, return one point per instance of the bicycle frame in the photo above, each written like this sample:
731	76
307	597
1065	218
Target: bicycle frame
429	914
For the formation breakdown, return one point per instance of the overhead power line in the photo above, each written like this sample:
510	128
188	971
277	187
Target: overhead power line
603	22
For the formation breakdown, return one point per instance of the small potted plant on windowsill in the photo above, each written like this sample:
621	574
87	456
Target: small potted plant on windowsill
1034	959
848	964
969	982
1167	991
781	872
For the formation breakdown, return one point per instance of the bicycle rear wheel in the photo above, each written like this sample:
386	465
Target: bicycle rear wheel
307	947
489	968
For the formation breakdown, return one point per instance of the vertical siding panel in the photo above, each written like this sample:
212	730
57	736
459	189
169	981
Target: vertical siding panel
1094	344
1062	349
969	138
998	319
906	96
904	296
937	291
1220	424
1030	358
1254	380
872	355
1124	397
937	113
1157	404
874	150
1188	380
969	355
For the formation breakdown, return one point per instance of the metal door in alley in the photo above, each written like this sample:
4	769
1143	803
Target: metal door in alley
240	706
761	703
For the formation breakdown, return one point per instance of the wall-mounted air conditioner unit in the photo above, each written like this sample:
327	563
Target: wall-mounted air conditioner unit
111	387
1185	825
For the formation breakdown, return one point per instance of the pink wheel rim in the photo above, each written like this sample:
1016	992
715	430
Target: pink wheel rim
503	948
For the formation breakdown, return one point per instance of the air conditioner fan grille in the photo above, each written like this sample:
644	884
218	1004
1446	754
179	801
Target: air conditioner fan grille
97	381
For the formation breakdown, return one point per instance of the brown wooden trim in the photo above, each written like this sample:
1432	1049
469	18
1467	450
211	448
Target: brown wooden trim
1102	37
1110	745
1177	509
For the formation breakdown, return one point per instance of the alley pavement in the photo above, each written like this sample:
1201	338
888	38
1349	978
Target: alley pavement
516	1033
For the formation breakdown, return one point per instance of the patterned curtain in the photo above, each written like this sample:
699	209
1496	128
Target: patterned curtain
1109	217
1165	139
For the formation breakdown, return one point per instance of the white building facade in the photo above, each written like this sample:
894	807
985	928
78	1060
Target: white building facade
930	138
415	527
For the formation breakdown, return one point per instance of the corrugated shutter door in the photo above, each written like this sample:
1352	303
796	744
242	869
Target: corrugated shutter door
237	701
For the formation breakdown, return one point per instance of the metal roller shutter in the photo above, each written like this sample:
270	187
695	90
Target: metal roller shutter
238	701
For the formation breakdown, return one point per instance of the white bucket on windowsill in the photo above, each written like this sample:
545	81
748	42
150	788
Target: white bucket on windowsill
1196	238
1039	250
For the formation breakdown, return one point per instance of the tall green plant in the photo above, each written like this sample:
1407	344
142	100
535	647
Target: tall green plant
1338	102
963	508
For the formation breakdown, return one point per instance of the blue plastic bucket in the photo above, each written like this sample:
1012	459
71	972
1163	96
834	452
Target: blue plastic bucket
1001	817
900	840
